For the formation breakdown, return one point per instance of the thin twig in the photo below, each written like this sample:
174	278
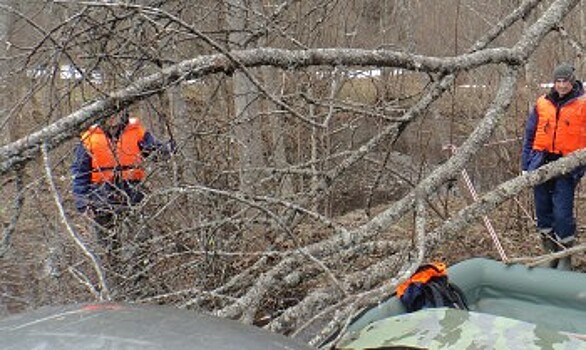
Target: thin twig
104	291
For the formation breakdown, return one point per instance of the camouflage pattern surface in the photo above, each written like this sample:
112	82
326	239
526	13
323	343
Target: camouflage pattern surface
444	328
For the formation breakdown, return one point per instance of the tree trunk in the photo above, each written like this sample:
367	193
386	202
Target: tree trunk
247	122
279	130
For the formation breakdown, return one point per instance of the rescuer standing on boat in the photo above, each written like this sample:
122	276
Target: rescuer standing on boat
555	128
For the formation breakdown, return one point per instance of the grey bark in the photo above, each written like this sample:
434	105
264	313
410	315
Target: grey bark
248	122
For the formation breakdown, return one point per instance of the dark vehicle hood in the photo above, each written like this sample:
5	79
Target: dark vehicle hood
130	327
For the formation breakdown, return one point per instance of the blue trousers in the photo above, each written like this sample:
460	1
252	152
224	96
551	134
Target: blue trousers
554	206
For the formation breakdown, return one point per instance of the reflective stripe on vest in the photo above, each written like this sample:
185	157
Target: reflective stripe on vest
123	159
561	133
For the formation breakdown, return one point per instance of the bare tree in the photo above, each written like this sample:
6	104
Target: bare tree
248	127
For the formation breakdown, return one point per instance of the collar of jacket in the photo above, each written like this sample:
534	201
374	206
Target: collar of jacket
577	91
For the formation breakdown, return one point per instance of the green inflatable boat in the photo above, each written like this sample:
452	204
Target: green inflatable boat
511	307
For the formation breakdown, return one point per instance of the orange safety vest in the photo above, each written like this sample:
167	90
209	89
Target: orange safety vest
563	130
122	159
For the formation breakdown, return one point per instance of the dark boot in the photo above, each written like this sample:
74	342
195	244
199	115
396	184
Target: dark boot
550	245
565	263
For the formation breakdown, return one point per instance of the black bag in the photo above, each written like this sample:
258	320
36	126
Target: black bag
429	287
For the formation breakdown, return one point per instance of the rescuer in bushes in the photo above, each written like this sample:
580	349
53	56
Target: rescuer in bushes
108	171
555	128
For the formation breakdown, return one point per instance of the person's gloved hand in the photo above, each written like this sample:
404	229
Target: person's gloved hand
578	173
171	146
81	205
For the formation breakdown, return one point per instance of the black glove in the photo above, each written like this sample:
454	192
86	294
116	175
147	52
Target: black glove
172	146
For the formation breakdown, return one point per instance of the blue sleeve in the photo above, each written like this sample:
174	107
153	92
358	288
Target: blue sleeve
81	174
530	128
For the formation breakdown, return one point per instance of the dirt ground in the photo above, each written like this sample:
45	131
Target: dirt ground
514	225
515	228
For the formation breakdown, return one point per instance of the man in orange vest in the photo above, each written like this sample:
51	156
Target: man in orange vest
555	128
108	168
